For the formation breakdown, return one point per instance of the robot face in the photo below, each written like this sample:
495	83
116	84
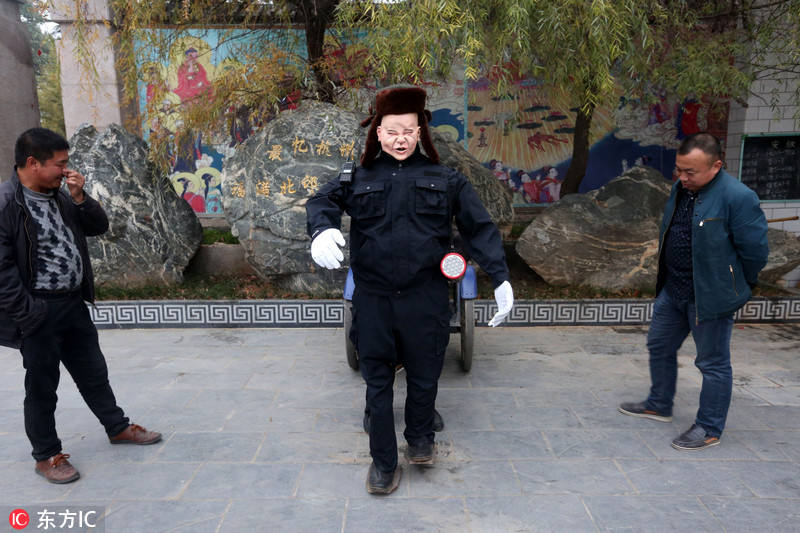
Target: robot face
399	134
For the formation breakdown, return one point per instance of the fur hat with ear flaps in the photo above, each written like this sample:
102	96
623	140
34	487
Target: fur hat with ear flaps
398	100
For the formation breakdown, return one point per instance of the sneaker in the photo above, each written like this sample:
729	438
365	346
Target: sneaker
639	409
382	482
136	434
694	438
421	454
57	469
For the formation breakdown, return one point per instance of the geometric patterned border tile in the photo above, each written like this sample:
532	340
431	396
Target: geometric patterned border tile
572	312
218	314
770	310
137	314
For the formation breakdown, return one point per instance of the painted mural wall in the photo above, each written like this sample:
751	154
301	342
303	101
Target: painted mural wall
196	157
524	136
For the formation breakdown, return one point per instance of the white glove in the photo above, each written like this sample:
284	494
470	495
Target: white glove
504	297
324	251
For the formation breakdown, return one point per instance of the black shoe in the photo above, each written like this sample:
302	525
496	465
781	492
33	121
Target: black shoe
438	423
367	422
382	482
693	439
421	454
639	409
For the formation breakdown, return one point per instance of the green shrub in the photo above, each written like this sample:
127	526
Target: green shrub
213	236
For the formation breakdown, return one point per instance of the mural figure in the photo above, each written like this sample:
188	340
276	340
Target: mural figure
212	191
482	138
240	127
549	187
688	119
190	190
535	141
192	78
155	84
530	188
188	149
499	171
659	112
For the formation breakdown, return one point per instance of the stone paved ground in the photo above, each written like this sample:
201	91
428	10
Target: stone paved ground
262	432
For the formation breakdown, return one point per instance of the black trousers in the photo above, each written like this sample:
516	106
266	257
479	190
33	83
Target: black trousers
412	328
67	336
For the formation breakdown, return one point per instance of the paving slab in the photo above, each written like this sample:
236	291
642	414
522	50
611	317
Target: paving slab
262	432
540	513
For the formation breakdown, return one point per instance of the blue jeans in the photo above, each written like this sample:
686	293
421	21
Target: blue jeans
672	321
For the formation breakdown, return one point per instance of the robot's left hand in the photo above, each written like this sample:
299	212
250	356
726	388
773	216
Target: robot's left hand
504	297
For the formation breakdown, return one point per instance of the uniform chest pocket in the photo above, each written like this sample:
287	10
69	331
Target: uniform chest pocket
431	196
369	200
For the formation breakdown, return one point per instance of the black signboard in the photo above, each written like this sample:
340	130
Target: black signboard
771	166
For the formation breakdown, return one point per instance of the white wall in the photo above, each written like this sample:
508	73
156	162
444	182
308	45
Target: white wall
759	117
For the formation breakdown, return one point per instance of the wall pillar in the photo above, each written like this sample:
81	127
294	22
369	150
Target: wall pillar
19	105
98	103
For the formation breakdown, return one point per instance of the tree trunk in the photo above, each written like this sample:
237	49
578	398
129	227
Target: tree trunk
580	152
317	14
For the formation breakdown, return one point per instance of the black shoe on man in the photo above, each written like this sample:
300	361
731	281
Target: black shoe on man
421	454
640	409
382	482
438	422
694	439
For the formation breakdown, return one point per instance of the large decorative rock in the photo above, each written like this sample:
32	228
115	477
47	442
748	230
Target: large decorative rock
604	238
608	238
267	182
784	255
496	197
153	233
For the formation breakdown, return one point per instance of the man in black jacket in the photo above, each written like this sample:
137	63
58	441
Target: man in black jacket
45	276
401	203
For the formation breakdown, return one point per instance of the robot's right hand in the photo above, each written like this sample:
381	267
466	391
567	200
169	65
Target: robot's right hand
324	249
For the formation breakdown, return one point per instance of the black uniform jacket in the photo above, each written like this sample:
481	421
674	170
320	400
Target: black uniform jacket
20	312
400	230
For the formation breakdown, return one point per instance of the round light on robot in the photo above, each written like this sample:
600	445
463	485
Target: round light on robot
453	266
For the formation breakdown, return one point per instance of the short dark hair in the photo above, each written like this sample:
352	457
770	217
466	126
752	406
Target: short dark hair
39	143
703	141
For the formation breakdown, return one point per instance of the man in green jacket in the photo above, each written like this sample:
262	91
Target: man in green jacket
712	245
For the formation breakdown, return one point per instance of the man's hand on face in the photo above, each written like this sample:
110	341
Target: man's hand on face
75	182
